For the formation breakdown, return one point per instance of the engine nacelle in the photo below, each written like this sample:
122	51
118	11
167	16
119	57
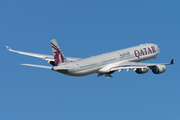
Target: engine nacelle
158	69
142	70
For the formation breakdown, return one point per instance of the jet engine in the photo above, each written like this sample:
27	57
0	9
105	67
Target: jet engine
142	70
158	69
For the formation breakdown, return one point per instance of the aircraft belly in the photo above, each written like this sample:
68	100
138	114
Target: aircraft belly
80	72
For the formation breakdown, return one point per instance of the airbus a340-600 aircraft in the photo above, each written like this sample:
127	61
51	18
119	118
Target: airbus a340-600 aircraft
104	64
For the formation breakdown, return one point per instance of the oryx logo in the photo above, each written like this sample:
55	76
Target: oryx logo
58	55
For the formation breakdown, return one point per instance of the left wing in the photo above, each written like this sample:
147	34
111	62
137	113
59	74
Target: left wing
43	56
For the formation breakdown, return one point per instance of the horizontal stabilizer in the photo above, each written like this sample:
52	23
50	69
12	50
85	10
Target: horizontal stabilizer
40	66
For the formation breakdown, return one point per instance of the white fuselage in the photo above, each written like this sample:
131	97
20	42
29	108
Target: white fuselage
96	63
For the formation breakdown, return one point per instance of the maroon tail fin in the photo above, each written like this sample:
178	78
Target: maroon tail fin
58	55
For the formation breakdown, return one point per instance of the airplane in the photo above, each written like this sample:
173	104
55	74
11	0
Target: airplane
104	64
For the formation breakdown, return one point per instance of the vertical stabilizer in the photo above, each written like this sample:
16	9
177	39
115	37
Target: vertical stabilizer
58	54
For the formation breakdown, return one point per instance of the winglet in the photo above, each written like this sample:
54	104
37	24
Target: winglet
8	48
172	61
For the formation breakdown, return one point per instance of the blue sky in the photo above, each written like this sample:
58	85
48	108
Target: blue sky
84	28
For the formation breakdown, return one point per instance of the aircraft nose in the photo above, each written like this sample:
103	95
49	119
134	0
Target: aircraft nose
158	48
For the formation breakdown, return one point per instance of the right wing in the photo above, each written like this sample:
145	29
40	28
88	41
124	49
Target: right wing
43	56
129	65
136	65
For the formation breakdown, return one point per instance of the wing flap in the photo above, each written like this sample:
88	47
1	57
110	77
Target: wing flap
130	67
